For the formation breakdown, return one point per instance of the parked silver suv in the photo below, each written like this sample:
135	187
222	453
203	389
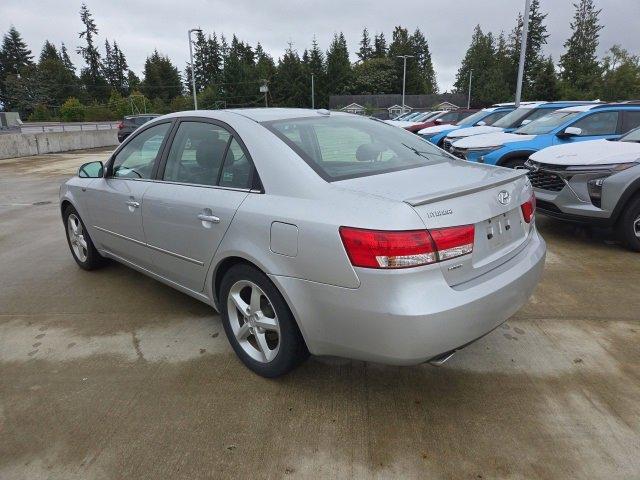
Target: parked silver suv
594	182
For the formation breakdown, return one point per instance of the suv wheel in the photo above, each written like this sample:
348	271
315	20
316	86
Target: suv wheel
259	324
629	225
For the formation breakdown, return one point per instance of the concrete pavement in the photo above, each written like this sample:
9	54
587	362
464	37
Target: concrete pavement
110	374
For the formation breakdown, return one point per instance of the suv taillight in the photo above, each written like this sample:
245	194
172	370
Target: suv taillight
120	125
403	249
529	208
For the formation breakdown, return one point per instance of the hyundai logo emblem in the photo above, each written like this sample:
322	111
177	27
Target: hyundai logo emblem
504	197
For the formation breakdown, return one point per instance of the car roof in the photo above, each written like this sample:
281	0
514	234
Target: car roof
269	114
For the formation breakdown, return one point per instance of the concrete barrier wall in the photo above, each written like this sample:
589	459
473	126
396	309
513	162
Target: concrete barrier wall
26	144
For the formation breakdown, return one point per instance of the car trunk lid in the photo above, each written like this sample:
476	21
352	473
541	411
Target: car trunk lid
458	193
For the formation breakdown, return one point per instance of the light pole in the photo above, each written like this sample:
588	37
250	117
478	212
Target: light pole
404	75
523	50
469	97
313	94
193	73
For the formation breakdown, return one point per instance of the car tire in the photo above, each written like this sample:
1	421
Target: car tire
82	249
628	226
255	345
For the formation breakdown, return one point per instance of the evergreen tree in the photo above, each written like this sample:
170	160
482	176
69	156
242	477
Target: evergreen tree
427	76
14	54
365	52
379	46
377	75
265	69
339	75
207	60
64	55
17	74
545	82
317	66
121	69
241	86
290	89
534	59
91	76
56	82
402	44
161	78
487	85
579	67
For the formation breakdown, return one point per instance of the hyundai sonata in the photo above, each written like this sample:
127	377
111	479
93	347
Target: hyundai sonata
313	232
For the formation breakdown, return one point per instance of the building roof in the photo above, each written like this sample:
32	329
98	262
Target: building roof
352	106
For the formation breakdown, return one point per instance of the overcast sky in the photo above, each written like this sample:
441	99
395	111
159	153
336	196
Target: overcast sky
139	26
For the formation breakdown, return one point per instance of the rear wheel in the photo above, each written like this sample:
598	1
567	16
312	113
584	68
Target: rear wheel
259	324
80	244
629	225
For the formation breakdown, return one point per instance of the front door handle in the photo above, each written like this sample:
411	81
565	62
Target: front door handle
208	218
133	203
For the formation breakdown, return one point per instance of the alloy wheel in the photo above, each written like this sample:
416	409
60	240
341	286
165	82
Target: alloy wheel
253	321
636	227
76	237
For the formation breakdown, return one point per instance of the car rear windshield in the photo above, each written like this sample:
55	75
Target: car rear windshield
338	147
547	123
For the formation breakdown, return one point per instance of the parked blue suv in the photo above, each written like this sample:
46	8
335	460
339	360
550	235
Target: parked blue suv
486	116
526	113
564	126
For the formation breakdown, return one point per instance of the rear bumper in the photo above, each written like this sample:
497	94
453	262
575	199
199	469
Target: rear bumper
408	317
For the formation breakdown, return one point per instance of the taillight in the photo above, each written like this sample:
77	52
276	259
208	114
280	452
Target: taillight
402	249
529	208
120	125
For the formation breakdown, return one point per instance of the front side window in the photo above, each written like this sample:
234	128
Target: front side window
339	147
601	123
197	153
137	157
547	123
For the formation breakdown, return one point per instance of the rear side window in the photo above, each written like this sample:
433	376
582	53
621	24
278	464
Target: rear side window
197	153
601	123
340	147
630	120
236	171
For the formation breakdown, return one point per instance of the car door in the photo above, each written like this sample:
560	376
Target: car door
115	201
594	126
201	183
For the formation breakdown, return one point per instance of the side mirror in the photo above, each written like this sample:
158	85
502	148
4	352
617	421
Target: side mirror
438	121
481	123
91	170
571	132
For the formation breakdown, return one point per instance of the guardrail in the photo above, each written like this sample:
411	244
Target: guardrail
43	127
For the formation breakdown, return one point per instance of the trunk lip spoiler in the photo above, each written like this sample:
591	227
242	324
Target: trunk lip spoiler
477	187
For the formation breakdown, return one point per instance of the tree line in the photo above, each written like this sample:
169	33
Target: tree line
228	73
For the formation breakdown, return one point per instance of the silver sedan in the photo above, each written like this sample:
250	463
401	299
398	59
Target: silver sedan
313	232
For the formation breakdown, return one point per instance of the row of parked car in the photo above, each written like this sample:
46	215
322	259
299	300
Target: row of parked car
583	157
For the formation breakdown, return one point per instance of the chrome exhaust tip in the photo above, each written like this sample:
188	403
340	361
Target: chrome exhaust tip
441	359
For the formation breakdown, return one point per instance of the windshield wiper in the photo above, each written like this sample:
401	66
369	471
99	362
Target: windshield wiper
425	154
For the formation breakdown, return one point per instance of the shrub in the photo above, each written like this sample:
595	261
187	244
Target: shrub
72	110
40	114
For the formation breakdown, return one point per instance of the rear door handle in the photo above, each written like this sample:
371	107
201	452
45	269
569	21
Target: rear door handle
208	218
133	204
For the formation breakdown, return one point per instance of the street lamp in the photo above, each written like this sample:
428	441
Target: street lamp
404	75
313	94
193	73
523	50
469	97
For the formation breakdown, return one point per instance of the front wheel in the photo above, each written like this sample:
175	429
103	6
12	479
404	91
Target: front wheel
629	225
259	324
80	244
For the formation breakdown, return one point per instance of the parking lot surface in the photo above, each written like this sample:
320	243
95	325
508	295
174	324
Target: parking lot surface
110	374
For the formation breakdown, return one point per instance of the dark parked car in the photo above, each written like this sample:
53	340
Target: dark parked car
127	126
